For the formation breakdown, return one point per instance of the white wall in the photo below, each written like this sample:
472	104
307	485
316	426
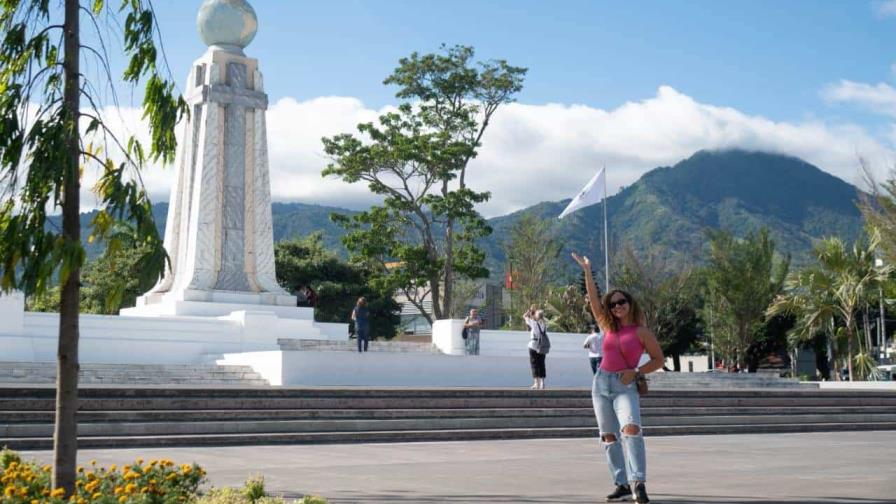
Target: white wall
377	369
700	363
32	337
446	335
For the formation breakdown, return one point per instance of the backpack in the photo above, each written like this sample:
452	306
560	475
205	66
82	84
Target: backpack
543	343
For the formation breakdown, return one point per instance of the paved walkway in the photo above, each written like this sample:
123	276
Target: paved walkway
850	467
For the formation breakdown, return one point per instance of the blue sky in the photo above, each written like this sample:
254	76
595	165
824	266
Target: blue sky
764	57
793	76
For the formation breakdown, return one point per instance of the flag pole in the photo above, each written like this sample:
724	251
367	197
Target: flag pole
606	241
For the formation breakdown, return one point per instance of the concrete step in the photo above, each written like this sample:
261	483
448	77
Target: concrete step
145	374
253	399
306	345
43	443
7	417
111	416
12	431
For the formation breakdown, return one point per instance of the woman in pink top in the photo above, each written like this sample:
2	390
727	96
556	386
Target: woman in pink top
614	393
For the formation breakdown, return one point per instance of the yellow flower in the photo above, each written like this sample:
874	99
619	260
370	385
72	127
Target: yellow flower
90	487
140	461
186	468
9	491
122	499
130	488
44	468
93	462
35	501
118	490
58	492
113	467
171	476
96	496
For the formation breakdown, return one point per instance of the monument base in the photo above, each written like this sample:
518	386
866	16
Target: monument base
201	333
216	303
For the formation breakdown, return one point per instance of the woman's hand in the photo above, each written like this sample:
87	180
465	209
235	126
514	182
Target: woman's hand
628	376
583	261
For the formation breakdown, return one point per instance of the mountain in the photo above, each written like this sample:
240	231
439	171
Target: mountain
671	207
668	208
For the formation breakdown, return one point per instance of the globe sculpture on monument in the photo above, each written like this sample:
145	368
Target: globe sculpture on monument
218	234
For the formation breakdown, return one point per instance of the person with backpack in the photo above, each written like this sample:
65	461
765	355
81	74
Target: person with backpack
539	345
619	383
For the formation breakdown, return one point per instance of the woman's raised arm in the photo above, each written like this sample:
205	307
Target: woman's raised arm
597	308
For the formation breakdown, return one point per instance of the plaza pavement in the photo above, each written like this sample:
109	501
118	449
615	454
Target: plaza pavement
847	467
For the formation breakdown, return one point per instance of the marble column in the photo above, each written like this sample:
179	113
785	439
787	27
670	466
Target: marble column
219	232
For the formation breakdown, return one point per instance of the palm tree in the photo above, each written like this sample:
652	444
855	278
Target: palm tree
834	292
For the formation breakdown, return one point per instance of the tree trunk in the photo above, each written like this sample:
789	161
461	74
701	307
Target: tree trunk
849	345
676	363
435	296
867	327
65	435
834	352
448	285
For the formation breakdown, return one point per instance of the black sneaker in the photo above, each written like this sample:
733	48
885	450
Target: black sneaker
621	493
641	494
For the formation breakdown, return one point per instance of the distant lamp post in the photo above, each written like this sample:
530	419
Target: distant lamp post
881	321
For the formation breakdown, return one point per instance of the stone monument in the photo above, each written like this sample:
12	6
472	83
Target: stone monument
219	234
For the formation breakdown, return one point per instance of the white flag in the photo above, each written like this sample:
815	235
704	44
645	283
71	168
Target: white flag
592	193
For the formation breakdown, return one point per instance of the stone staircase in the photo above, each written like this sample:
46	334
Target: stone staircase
316	345
177	416
134	374
723	381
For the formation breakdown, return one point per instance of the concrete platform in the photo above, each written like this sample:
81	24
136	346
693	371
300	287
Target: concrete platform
849	467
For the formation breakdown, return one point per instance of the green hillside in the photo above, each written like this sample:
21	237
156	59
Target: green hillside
670	207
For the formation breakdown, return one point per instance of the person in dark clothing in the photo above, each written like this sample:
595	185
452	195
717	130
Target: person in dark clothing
361	317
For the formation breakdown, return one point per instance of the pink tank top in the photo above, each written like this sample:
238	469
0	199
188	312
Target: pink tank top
627	339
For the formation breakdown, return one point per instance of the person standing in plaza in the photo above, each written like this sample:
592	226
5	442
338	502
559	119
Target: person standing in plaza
615	393
593	344
361	317
539	345
472	324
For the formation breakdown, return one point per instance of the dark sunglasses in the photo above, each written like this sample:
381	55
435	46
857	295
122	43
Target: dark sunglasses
614	304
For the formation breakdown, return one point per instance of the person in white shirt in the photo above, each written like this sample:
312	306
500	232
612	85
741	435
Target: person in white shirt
593	343
539	345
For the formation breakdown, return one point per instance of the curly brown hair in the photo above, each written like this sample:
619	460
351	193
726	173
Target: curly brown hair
612	322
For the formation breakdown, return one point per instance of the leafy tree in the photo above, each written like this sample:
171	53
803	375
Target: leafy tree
338	284
109	283
667	295
417	158
829	296
568	310
532	249
743	278
45	102
879	209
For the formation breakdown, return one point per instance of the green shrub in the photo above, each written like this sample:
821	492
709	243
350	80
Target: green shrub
252	493
253	489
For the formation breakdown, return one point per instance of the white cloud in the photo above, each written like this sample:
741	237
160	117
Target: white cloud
885	8
879	98
536	153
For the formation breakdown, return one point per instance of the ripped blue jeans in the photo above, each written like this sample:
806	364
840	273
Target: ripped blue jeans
616	406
